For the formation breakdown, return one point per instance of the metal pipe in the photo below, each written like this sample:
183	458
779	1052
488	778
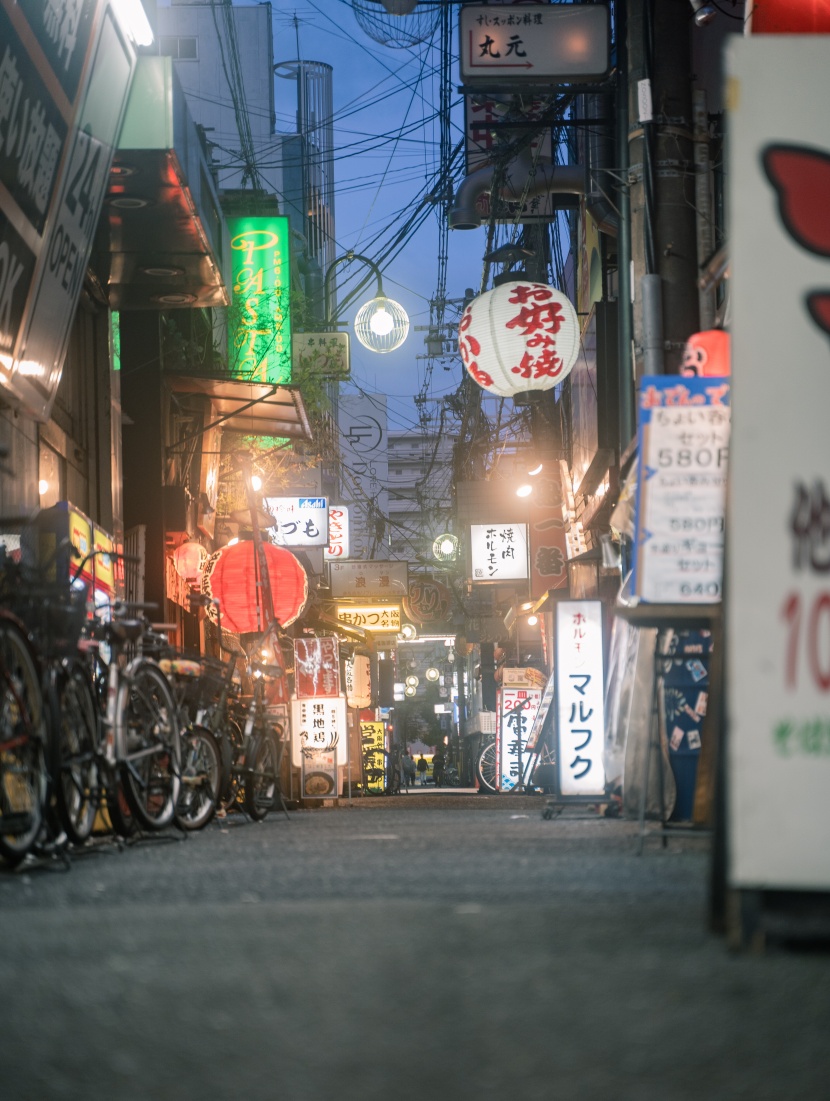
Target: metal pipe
522	178
651	289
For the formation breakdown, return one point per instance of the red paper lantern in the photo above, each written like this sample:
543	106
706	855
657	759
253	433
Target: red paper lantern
231	578
189	560
519	336
707	354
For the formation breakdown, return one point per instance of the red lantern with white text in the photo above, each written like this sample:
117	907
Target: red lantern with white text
232	577
519	336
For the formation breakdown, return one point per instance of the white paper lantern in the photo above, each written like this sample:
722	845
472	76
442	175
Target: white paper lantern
519	336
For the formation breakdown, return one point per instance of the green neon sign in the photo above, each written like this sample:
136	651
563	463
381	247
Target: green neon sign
259	330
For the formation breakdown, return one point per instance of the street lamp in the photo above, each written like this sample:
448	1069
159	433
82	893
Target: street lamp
381	325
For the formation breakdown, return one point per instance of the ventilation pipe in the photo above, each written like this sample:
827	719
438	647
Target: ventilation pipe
525	178
522	178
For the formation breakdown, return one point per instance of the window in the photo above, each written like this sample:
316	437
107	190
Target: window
183	49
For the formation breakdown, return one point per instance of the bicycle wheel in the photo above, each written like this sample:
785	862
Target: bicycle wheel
262	784
148	718
24	780
486	768
77	783
201	778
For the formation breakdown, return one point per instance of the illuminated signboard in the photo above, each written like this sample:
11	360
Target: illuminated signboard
317	725
499	552
260	317
381	618
517	711
339	545
371	579
300	521
65	73
580	727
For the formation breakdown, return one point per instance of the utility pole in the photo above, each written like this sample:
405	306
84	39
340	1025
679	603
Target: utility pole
662	183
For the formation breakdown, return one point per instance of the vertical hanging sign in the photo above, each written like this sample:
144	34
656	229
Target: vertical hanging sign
580	713
260	317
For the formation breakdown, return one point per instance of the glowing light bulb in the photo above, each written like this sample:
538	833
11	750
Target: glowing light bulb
256	482
524	491
42	486
382	322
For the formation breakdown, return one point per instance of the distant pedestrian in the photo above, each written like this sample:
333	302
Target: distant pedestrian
422	767
438	768
408	768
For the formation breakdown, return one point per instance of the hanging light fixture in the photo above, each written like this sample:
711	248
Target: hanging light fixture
521	336
189	560
400	24
445	547
381	325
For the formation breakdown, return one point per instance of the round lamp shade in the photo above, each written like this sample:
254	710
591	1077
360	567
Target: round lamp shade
231	578
381	325
707	354
518	337
189	560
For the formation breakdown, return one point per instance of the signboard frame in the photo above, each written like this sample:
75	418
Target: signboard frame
569	666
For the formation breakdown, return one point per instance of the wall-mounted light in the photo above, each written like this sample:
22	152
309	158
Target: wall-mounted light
381	325
704	13
524	490
432	674
532	620
410	690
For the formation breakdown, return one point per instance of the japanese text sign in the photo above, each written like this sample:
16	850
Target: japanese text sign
316	667
300	521
380	618
684	427
317	724
580	708
373	740
499	552
338	545
260	317
517	711
321	355
777	596
373	578
530	43
65	73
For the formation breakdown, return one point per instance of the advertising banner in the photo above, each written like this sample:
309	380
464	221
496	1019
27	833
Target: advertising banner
499	552
517	711
362	580
316	667
317	724
777	594
683	440
580	708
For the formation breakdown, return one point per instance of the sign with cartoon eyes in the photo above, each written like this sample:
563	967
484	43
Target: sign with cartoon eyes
777	538
801	177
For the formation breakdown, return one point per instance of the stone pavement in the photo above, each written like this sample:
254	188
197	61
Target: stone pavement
468	950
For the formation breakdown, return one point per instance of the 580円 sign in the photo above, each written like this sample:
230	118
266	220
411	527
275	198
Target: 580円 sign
684	426
580	708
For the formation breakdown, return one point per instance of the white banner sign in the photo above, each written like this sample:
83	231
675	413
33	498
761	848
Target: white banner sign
580	726
518	708
499	552
318	723
300	521
338	545
359	580
778	521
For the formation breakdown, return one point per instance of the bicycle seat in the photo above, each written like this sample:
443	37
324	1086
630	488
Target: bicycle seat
128	630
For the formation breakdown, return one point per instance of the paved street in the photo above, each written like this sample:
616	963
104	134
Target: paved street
406	948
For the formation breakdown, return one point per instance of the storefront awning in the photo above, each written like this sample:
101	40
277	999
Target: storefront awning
255	408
